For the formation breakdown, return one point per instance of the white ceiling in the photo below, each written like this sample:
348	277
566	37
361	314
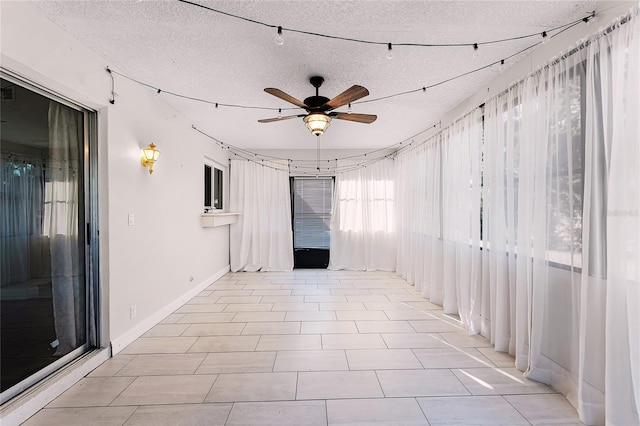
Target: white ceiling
189	50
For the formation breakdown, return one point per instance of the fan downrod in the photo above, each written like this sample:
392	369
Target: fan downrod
316	102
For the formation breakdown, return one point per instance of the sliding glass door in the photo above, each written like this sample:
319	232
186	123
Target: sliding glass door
44	290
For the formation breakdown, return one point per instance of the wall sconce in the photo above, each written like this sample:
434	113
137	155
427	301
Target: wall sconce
149	156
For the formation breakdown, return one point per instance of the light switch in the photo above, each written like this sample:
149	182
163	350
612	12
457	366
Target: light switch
132	220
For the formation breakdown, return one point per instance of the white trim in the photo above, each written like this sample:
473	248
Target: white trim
28	83
19	409
209	220
225	185
127	338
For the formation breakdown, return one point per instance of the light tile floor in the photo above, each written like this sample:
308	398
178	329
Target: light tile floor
304	348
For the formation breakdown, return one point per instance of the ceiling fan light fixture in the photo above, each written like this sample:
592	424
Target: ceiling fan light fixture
317	123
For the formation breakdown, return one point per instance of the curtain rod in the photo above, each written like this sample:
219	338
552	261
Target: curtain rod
633	13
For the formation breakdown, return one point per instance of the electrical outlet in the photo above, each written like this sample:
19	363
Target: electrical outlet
132	219
133	311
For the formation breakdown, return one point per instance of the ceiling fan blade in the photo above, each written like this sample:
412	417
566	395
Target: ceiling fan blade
285	97
350	95
287	117
358	118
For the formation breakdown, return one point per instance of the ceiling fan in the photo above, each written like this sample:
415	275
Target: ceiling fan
320	109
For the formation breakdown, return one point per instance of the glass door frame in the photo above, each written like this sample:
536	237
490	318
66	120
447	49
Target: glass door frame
88	235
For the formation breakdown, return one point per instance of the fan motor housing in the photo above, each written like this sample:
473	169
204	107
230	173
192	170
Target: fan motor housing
316	101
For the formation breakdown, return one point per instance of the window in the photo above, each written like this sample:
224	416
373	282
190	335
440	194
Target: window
565	168
556	110
312	213
213	181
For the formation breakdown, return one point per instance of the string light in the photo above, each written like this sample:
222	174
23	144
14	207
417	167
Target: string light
279	112
389	51
349	109
355	40
311	167
587	20
475	50
279	38
545	38
502	66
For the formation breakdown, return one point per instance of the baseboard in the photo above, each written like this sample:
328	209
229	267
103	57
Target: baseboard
121	342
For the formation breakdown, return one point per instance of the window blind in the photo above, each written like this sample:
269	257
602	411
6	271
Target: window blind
312	212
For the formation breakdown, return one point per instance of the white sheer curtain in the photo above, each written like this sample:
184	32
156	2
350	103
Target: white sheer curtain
461	189
262	239
612	204
557	283
440	253
363	235
23	247
561	192
61	224
505	180
418	189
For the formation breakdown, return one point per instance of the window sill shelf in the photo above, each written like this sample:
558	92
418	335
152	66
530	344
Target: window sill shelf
210	220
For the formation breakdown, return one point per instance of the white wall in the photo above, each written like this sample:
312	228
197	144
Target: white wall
149	264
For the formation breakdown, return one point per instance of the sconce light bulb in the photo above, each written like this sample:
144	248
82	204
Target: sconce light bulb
279	38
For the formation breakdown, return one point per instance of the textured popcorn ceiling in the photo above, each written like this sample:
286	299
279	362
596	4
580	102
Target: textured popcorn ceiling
192	51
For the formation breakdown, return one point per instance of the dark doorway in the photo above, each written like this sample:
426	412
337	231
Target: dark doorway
311	221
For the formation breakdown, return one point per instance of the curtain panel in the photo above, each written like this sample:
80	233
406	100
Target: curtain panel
611	228
561	202
439	194
262	239
24	249
363	236
60	224
552	274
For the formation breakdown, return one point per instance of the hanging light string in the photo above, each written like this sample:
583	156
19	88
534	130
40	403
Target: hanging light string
545	35
192	98
317	167
374	156
282	29
500	63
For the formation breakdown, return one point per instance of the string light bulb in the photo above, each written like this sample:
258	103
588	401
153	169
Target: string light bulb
545	37
349	109
279	112
475	50
587	20
279	38
389	51
502	66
